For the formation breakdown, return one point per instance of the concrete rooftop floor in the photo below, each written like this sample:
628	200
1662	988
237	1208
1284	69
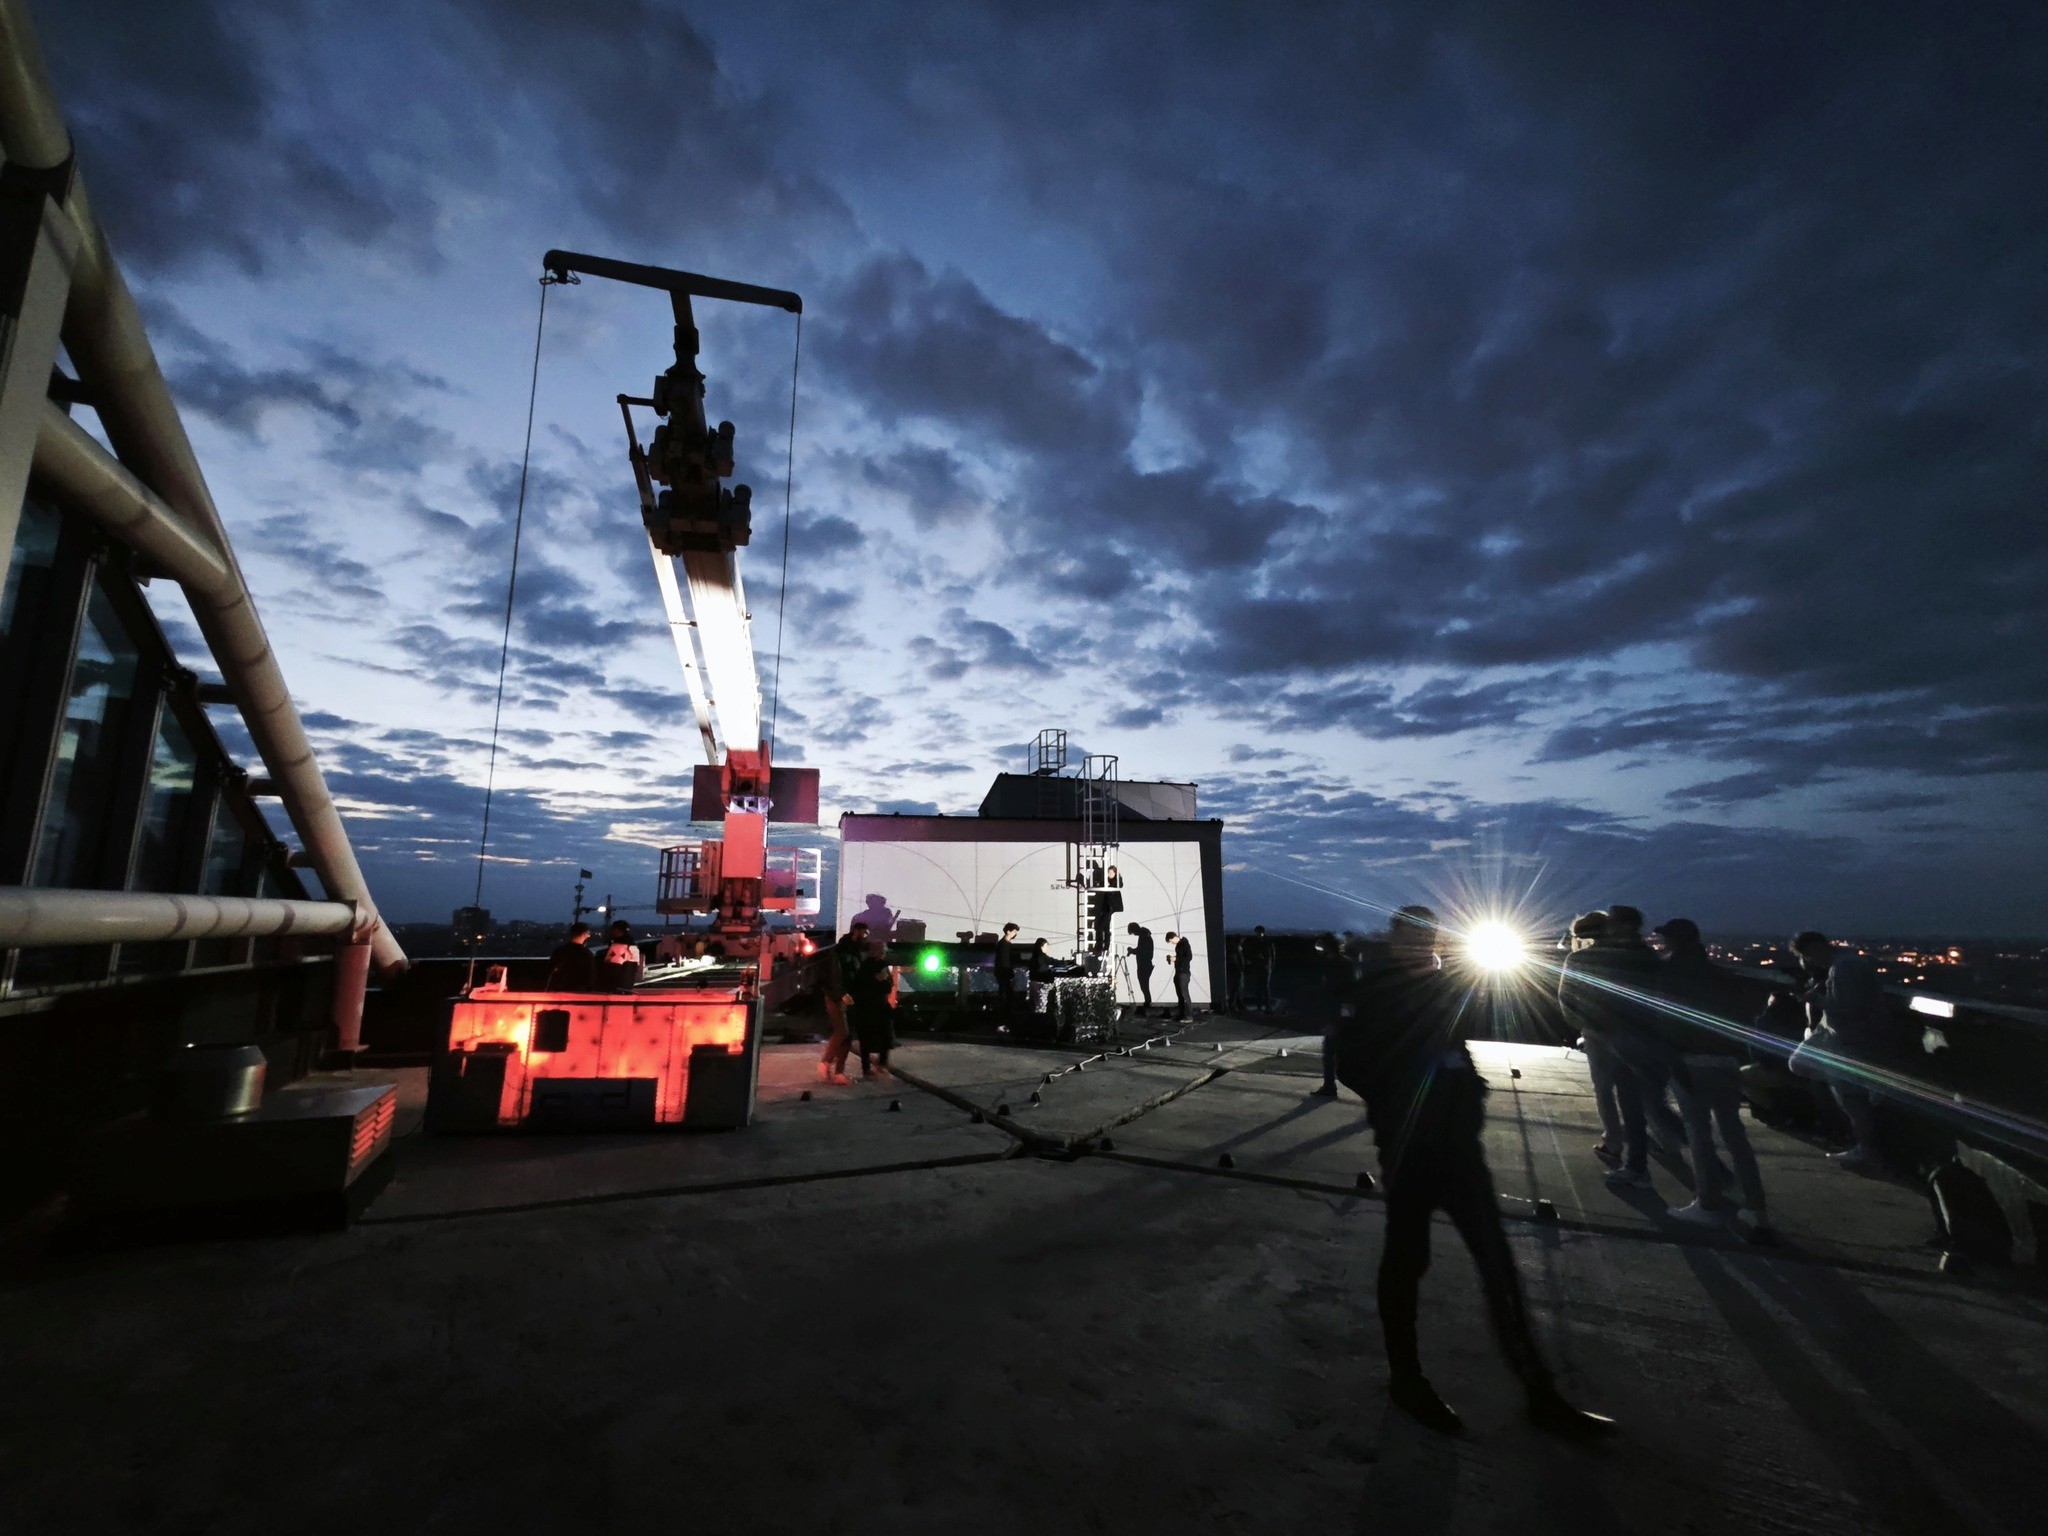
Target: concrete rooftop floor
853	1318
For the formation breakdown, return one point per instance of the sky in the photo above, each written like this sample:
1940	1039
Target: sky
1539	455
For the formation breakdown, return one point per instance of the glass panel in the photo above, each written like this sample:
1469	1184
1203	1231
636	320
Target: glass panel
166	811
173	773
23	603
225	855
35	551
79	804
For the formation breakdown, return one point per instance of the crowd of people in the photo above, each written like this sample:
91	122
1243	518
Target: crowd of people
1650	1025
1655	1026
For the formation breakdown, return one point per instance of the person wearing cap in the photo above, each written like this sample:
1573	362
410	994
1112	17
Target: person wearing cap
1611	988
1708	1079
1402	1049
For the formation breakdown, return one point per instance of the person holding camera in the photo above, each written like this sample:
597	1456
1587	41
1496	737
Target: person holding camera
1141	966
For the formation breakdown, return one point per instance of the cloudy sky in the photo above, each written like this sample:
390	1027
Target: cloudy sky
1487	446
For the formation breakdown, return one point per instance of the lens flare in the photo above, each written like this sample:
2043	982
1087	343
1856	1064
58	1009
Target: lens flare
1496	947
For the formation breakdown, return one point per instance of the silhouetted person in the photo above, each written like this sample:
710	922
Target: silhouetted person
622	963
1589	1029
874	1009
1258	970
1855	1031
1183	954
879	917
1708	1079
1402	1050
572	967
1006	973
1333	980
1104	905
1141	966
1611	987
834	974
1233	974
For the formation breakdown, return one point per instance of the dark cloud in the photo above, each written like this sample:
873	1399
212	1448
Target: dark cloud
932	484
656	138
1721	334
178	115
973	647
824	535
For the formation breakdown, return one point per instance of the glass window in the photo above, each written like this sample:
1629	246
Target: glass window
166	813
167	808
35	552
226	854
79	806
24	602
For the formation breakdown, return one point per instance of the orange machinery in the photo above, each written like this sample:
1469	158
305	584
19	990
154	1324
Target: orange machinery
683	1053
627	1060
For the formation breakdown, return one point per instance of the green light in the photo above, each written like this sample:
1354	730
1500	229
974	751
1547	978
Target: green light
932	962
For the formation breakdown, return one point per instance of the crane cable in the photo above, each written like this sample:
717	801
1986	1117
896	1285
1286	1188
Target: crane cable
788	489
511	587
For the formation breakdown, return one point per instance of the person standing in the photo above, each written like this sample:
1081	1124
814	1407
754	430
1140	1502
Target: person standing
1612	987
622	963
1040	973
1588	1028
1258	966
1855	1031
572	967
874	1004
1141	966
832	991
1233	974
1333	998
1103	904
1183	973
1708	1079
1006	974
1403	1050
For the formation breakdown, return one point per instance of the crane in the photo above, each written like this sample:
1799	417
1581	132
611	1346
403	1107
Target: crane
696	525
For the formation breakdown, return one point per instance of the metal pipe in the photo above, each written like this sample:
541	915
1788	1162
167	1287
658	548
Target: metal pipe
40	916
93	481
104	334
34	128
351	981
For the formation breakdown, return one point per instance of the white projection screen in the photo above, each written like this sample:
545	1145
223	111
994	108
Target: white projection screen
971	874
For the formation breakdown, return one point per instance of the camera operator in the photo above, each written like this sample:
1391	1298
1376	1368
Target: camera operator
1141	966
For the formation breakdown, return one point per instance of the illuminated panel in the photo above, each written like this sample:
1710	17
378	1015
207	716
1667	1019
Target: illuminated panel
950	886
723	634
641	1035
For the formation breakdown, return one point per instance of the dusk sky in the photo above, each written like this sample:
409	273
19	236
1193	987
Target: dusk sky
1595	448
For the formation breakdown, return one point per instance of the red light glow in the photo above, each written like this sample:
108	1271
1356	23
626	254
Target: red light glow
627	1036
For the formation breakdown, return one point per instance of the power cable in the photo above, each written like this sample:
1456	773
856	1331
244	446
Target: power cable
511	587
788	488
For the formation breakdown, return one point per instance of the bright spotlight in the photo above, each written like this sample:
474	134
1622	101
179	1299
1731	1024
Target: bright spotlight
1496	947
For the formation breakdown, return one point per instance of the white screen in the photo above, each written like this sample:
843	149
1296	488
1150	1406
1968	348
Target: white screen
978	887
